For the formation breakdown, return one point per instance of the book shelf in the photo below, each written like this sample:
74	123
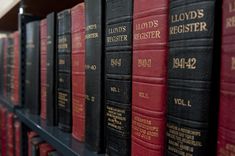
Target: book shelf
61	141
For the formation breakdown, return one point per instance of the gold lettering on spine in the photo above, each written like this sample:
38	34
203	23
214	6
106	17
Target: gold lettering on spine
184	63
144	128
144	63
116	62
117	38
93	35
62	99
182	102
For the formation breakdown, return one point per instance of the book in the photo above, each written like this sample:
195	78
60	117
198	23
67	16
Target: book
226	128
1	65
32	67
44	149
3	113
35	144
43	67
30	135
51	110
94	74
18	142
63	77
5	82
193	77
23	19
118	71
16	78
10	134
78	71
149	86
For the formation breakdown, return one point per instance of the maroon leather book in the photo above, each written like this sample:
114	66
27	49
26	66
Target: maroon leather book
78	71
16	71
10	134
226	130
43	58
45	149
149	77
31	135
3	114
17	126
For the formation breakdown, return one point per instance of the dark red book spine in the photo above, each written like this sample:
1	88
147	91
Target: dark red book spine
149	77
78	71
43	38
17	126
16	71
45	149
3	112
31	134
10	134
226	130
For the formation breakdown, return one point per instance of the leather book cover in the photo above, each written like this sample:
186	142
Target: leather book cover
32	69
226	128
43	66
35	145
3	114
44	149
78	71
10	134
149	87
193	77
1	65
94	74
23	19
17	136
51	108
64	92
118	71
31	135
16	74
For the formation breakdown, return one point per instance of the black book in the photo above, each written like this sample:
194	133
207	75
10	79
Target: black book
32	69
118	67
35	142
51	68
63	75
1	65
23	19
193	77
94	73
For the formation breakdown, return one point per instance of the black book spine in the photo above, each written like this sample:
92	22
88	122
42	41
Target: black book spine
193	74
94	73
51	68
64	66
32	79
1	65
118	71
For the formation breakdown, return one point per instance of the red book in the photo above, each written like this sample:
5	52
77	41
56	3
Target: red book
31	135
226	130
43	39
45	149
17	126
149	77
3	113
10	134
16	78
78	71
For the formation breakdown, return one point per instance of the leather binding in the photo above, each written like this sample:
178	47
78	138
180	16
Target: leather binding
51	109
3	114
64	71
193	77
118	71
78	71
15	91
150	44
1	65
10	134
31	135
23	19
43	67
32	71
226	128
17	141
94	74
35	145
44	149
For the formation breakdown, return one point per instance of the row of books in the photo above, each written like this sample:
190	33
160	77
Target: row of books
12	134
136	77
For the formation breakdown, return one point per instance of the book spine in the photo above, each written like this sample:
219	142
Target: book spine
1	65
150	52
226	128
118	71
18	133
94	74
16	69
64	71
193	77
44	149
10	134
43	65
32	73
78	71
10	67
30	135
51	110
3	112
